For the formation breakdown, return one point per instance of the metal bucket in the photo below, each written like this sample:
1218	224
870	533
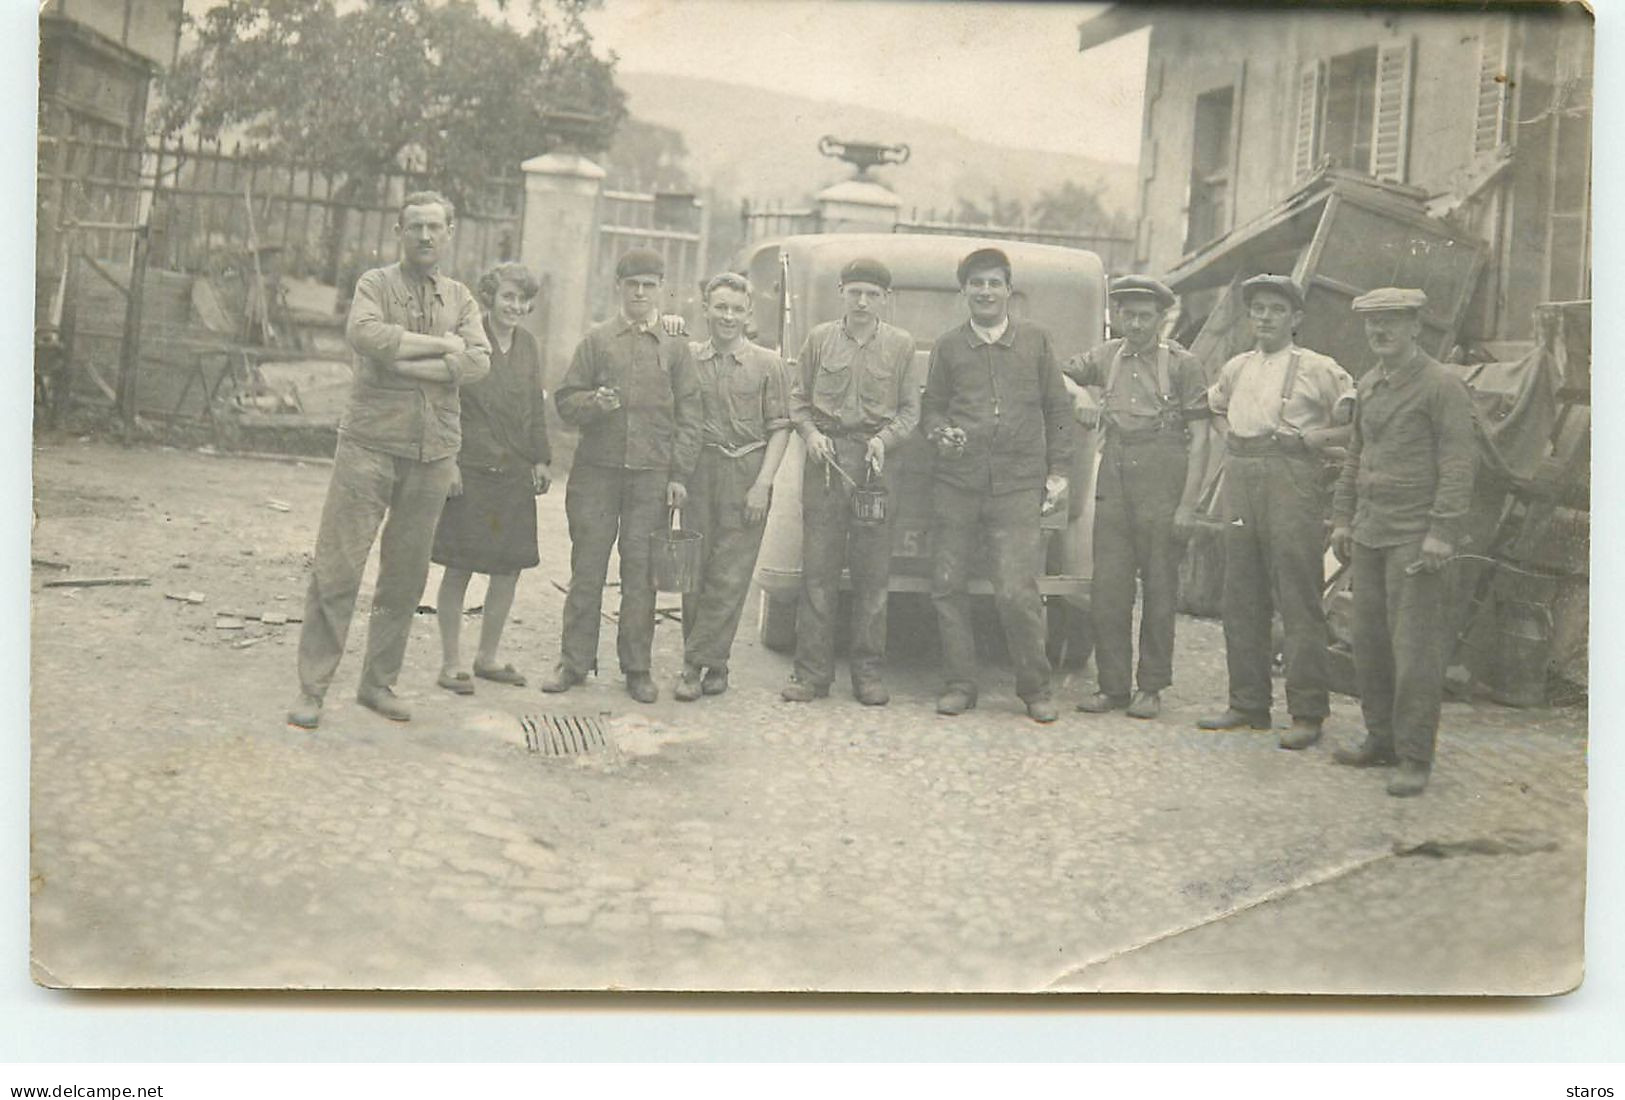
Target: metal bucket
675	557
869	502
1524	633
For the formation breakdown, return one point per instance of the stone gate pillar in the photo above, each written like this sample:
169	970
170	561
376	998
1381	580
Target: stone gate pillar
858	206
556	240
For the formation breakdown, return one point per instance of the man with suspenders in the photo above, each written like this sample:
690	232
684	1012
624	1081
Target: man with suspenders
1154	409
1287	407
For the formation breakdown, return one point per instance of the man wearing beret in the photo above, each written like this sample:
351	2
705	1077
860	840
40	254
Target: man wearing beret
1151	397
632	391
997	410
1287	407
1405	489
854	398
417	338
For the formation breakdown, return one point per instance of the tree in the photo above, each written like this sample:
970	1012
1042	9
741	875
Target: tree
1073	207
648	156
430	86
995	210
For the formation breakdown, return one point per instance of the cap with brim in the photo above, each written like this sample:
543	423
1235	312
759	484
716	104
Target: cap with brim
640	261
867	270
1131	286
981	260
1389	299
1278	284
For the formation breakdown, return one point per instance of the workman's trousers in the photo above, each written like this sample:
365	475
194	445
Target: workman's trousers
1400	634
716	509
962	521
606	506
1275	553
830	540
369	488
1136	495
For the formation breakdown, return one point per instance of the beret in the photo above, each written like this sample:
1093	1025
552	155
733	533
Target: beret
866	270
1142	284
982	259
1280	284
640	261
1388	298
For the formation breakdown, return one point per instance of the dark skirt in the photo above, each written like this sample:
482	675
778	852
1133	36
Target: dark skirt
491	527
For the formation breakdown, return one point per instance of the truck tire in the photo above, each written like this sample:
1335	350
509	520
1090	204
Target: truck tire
778	622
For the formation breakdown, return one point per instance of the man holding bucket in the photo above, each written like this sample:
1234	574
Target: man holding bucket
1404	492
854	398
744	392
998	412
632	392
1153	403
1287	406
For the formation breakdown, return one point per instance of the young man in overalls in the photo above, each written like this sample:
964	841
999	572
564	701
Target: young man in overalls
1287	406
1151	397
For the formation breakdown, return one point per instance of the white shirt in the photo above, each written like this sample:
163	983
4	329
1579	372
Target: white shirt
991	335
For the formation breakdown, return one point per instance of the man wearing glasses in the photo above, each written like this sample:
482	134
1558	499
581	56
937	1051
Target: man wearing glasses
1289	410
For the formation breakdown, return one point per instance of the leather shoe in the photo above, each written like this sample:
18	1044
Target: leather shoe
384	702
1304	732
1370	753
1146	705
871	693
797	691
956	700
1042	709
1233	719
1100	703
714	682
688	685
641	686
1410	780
561	679
306	713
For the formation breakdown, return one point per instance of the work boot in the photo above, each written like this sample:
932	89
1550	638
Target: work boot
1041	708
382	701
561	679
956	700
714	682
799	691
306	713
871	691
1101	703
1304	732
1147	704
688	685
1373	752
1233	719
1410	780
641	686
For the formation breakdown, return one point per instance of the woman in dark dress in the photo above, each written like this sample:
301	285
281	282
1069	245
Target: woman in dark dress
489	522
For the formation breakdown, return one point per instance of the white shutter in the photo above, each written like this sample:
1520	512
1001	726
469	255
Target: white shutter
1306	135
1494	83
1391	128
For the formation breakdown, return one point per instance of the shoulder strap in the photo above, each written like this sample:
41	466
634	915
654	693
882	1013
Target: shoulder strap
1164	386
1111	373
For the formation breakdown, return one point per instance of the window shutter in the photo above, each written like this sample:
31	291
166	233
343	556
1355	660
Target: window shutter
1494	83
1237	98
1390	140
1306	139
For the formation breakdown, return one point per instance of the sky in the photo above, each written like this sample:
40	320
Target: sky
1007	73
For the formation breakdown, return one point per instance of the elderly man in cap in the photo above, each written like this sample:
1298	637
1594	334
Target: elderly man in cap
1405	489
855	396
417	338
1287	406
632	391
1151	397
997	410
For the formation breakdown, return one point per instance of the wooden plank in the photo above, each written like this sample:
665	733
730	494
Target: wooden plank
98	582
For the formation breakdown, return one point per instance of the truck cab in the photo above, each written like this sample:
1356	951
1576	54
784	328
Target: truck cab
795	287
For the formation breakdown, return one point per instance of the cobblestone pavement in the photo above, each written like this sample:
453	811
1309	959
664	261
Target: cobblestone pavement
183	835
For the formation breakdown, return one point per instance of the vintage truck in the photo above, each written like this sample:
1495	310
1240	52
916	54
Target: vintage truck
794	280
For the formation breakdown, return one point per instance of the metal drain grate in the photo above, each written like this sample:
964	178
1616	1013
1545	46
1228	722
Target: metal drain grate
564	734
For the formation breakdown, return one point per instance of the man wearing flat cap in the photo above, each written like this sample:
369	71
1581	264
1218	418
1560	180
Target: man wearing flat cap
1150	396
1405	489
632	392
854	398
1287	407
997	410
